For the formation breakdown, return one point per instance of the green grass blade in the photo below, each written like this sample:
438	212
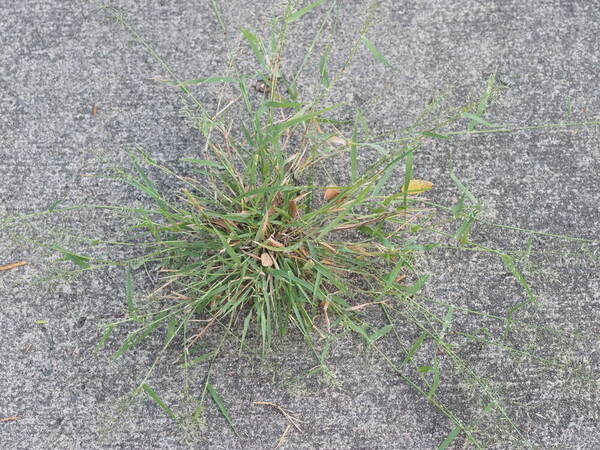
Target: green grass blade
414	348
203	163
483	101
380	333
198	359
208	80
219	402
431	134
354	152
376	54
359	330
417	286
256	45
462	187
297	14
450	438
323	73
408	171
79	260
131	309
172	329
276	130
154	396
107	333
475	118
436	379
509	263
55	204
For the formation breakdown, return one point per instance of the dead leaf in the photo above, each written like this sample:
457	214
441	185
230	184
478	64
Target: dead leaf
418	186
273	243
331	193
266	260
13	265
337	140
293	209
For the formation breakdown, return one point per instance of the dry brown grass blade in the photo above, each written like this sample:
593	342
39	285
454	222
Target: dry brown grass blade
178	297
325	305
13	265
293	209
287	414
273	243
9	419
276	203
328	247
193	339
281	440
364	305
265	223
362	251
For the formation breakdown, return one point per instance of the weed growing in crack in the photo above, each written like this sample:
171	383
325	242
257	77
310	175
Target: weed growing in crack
291	221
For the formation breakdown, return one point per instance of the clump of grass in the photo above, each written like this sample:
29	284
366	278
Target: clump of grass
260	239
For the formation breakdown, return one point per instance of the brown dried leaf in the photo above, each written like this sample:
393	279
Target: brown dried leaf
266	260
331	193
273	243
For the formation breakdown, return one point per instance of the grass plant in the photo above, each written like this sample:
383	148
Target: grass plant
294	222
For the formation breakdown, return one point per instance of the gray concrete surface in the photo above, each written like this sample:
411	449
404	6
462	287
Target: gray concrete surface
58	58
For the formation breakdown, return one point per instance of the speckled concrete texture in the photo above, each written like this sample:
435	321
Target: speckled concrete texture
58	59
